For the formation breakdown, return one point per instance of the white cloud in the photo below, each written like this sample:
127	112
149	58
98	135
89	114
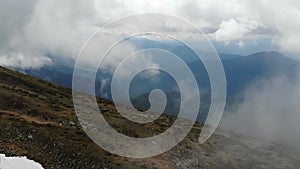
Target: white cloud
18	60
269	112
281	19
282	16
38	27
61	27
235	29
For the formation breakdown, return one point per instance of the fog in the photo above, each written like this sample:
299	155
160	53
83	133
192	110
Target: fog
270	111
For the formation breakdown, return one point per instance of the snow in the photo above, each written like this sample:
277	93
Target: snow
18	163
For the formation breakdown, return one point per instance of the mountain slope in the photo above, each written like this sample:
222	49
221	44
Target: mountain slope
37	120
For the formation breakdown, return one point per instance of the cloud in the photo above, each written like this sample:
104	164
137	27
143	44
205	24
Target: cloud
270	111
279	20
282	16
18	60
241	44
60	27
236	29
35	27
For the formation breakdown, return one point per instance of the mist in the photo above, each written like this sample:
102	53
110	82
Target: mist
270	111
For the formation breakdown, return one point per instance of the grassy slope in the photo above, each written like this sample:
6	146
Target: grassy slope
37	120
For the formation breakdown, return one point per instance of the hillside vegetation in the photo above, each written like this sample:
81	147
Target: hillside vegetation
37	120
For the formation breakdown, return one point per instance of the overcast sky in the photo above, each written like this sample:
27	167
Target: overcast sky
31	28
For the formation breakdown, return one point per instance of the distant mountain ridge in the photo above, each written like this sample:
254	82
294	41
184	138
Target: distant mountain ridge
240	71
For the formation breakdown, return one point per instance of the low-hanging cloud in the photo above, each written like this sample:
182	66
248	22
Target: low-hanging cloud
18	60
270	111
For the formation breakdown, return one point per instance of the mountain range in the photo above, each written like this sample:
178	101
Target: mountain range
240	71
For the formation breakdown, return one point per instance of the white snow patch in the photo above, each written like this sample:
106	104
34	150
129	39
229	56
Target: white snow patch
18	163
